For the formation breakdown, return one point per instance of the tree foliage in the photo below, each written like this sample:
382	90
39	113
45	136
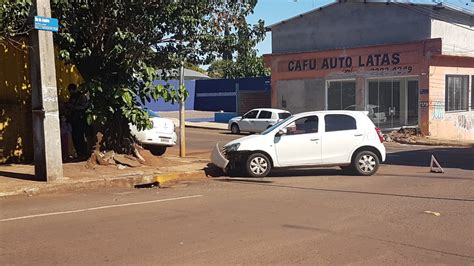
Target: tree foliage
244	66
13	20
119	46
246	63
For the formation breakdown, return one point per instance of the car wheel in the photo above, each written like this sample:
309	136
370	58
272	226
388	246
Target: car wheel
365	163
157	150
234	128
258	165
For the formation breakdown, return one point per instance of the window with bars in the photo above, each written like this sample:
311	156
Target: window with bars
457	93
472	93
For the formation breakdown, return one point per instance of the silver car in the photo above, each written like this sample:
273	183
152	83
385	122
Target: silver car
257	120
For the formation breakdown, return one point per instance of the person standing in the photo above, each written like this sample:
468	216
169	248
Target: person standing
76	107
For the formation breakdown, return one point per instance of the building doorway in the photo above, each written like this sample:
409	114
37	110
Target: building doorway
393	102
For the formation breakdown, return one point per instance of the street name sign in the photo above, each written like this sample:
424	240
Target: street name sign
44	23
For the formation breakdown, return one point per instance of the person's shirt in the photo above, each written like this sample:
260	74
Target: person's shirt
78	102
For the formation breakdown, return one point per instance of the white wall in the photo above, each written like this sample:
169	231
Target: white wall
456	40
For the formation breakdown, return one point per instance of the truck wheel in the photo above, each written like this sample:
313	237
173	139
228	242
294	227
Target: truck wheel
365	163
234	128
258	165
157	150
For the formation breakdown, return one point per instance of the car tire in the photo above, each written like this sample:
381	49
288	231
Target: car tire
258	165
234	128
157	150
365	163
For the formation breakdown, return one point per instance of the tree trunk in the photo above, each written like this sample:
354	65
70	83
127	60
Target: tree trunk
117	136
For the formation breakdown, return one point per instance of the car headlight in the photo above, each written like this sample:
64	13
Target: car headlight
232	147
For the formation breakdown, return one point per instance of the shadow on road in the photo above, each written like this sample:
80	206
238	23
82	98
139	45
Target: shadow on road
348	191
213	171
247	180
17	171
306	172
21	176
462	158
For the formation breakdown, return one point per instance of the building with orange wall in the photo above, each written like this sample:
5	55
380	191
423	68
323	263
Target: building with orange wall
408	65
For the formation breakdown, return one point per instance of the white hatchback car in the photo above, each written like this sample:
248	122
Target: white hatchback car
322	138
158	138
257	120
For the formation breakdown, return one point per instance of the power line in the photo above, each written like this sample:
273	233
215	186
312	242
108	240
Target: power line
446	17
459	8
432	10
409	7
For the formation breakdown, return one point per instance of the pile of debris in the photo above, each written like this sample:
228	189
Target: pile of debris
404	135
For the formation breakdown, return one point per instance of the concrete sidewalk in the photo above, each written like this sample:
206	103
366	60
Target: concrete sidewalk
18	179
207	125
191	114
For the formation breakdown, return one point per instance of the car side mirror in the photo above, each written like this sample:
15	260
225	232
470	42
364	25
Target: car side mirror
281	132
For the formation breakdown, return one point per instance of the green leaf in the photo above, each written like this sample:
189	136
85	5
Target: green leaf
127	98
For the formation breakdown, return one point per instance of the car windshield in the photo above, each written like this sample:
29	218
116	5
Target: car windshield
283	115
270	129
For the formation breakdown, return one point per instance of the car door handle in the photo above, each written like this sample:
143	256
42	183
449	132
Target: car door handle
358	135
314	139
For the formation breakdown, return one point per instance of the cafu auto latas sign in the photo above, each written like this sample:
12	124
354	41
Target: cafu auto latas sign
44	23
371	60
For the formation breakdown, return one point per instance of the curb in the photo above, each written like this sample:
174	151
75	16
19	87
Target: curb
436	143
171	178
128	181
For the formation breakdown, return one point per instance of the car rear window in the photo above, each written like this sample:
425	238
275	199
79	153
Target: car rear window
284	115
339	122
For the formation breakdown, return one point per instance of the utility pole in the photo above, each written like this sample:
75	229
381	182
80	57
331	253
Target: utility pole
46	135
182	135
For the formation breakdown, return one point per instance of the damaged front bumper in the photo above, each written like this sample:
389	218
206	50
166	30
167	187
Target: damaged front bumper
218	159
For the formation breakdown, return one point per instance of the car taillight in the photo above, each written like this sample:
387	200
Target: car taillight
379	132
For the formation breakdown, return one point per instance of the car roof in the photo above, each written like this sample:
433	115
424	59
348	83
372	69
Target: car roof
342	112
270	110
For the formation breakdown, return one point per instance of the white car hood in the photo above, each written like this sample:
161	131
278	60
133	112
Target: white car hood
249	142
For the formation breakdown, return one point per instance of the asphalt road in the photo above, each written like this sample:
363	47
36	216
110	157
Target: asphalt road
199	142
305	216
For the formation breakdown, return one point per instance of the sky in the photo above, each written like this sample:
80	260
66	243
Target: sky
274	11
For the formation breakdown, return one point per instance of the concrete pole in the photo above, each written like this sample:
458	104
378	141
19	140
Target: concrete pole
182	135
46	131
